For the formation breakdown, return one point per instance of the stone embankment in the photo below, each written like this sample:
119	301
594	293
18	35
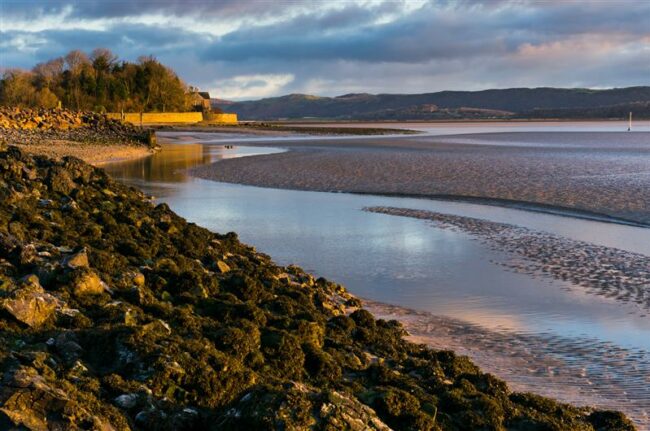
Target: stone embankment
602	270
20	126
118	314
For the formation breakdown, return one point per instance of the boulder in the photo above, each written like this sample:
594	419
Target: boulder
60	181
29	303
222	266
87	282
77	260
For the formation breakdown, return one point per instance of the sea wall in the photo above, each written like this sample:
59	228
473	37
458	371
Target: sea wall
158	117
172	118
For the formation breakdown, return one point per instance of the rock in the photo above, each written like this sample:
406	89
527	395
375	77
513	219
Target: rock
30	304
87	282
222	266
33	126
28	399
61	182
126	401
77	260
68	347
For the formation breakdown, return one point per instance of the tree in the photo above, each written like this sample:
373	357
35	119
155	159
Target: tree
46	99
75	60
17	88
102	59
47	73
97	81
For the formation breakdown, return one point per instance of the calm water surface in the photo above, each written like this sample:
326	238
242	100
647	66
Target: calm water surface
409	262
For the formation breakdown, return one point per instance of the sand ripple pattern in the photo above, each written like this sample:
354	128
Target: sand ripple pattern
614	273
603	174
574	370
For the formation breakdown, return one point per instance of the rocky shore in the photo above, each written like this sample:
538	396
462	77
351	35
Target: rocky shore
118	314
90	136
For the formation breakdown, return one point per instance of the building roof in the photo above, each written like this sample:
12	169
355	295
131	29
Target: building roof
204	94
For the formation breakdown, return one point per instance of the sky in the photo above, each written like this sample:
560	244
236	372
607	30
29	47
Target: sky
250	49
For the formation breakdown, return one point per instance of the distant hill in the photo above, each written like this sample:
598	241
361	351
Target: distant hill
506	103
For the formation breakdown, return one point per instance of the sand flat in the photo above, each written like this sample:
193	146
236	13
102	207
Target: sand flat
596	173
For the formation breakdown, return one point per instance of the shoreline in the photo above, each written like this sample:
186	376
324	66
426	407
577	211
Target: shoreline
521	381
94	154
461	120
527	363
267	128
165	322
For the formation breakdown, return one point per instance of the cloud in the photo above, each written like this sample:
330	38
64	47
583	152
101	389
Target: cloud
246	86
126	8
258	48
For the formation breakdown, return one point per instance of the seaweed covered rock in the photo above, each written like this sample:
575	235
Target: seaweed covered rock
116	313
31	126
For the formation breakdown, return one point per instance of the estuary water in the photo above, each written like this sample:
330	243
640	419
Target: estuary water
440	273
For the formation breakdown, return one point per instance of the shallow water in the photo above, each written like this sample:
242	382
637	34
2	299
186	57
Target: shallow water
404	261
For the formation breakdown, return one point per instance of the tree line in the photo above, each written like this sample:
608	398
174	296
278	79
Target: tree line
98	82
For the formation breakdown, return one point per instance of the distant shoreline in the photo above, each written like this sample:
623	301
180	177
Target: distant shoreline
454	120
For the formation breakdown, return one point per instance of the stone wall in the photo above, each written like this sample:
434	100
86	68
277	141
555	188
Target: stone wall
160	117
173	118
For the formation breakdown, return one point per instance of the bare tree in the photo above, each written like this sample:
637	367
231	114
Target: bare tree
49	71
75	60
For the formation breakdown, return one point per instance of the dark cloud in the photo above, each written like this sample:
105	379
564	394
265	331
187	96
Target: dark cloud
129	8
418	37
337	47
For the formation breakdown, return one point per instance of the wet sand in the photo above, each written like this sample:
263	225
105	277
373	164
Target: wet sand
606	271
598	174
577	371
95	154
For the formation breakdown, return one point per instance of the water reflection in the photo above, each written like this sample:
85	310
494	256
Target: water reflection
171	165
